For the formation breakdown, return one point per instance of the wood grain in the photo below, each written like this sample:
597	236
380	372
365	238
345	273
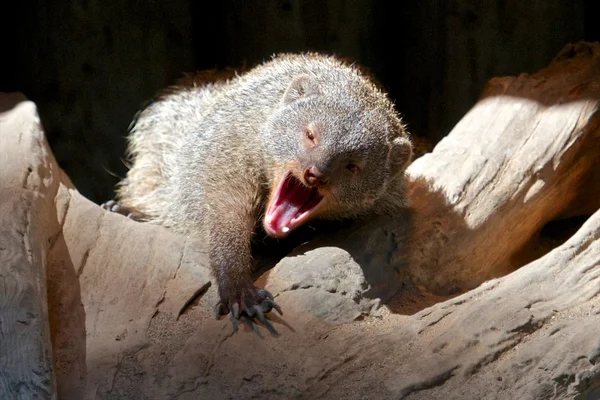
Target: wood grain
26	364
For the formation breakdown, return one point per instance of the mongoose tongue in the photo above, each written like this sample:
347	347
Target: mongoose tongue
290	207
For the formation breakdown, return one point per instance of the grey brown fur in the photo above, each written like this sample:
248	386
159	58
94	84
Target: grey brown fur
206	157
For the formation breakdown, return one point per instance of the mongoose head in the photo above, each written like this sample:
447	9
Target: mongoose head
336	150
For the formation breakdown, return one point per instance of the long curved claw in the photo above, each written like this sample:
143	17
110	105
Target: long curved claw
235	310
270	327
234	323
108	204
253	325
255	305
268	305
268	296
115	207
258	311
265	293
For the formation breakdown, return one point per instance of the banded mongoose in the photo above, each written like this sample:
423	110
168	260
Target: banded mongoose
298	138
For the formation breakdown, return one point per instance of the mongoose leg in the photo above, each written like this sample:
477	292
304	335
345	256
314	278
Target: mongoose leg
115	207
230	256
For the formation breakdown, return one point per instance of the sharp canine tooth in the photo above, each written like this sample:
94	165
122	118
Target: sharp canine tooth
285	229
269	218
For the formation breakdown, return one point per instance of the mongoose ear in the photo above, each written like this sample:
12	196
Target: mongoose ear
301	86
400	155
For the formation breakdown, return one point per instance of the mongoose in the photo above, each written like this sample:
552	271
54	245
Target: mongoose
298	138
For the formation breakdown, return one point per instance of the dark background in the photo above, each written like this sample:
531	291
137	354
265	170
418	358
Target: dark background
90	64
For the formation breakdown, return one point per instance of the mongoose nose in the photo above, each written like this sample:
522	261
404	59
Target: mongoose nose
314	177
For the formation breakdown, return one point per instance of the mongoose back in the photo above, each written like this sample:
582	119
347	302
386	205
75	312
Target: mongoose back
298	138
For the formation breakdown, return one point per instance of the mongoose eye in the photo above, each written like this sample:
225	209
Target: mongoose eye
352	167
309	135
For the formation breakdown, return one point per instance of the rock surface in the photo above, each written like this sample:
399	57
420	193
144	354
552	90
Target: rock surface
130	304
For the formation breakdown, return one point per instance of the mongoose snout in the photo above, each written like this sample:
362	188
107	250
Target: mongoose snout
314	177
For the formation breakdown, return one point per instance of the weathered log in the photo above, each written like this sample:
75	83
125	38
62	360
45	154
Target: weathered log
119	291
526	154
533	334
26	369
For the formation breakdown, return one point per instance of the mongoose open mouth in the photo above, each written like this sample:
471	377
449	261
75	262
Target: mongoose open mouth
292	204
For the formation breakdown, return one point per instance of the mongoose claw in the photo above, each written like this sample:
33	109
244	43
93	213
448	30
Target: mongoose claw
269	301
251	307
257	310
235	311
115	207
108	205
265	293
269	304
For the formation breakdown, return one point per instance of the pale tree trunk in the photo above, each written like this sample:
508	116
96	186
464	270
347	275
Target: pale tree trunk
26	369
526	154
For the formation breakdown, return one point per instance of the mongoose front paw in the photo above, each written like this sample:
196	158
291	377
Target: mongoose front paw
115	207
248	302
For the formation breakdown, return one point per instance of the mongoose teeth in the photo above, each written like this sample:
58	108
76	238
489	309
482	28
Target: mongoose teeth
285	229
